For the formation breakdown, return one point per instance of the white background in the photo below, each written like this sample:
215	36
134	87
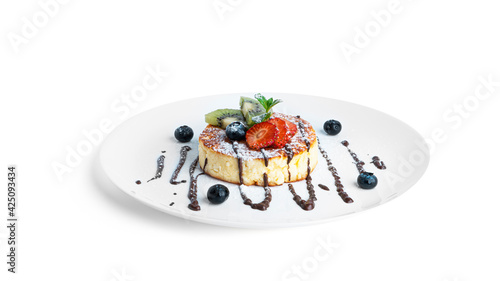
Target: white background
424	63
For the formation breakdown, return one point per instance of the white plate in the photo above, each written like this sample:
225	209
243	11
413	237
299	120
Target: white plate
130	152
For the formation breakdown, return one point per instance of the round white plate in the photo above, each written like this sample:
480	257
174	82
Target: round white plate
130	152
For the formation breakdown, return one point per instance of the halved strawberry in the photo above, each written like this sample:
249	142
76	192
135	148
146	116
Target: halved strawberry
291	129
261	135
281	128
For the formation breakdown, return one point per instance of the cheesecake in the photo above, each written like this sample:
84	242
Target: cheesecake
235	162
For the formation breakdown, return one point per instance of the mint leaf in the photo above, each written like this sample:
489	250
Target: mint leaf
261	99
273	103
267	103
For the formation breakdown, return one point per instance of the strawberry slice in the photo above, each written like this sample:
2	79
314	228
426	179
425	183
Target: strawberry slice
261	135
291	129
281	136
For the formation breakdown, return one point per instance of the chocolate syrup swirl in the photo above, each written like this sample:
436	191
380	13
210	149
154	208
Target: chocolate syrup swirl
193	187
160	163
184	151
302	132
305	205
240	161
262	206
378	163
310	186
289	155
266	160
345	196
359	163
309	204
340	188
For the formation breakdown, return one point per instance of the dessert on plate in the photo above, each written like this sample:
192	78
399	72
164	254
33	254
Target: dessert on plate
254	146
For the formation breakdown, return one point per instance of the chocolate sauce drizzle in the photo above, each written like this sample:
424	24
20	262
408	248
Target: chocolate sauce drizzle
266	160
305	205
378	163
262	206
340	187
359	163
159	168
193	187
240	161
182	160
310	186
289	155
302	132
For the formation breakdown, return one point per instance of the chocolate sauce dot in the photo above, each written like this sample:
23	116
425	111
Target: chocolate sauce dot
324	187
138	182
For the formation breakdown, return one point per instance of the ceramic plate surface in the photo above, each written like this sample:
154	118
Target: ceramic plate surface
130	153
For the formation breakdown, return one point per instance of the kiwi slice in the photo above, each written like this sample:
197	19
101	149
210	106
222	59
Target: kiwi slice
251	108
223	117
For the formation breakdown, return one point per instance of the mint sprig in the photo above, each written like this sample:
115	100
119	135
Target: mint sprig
268	104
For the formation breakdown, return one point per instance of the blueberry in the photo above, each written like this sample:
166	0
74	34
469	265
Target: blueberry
217	194
236	131
184	133
332	127
367	180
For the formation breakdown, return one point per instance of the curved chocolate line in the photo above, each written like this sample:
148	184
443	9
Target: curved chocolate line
182	160
340	188
160	163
